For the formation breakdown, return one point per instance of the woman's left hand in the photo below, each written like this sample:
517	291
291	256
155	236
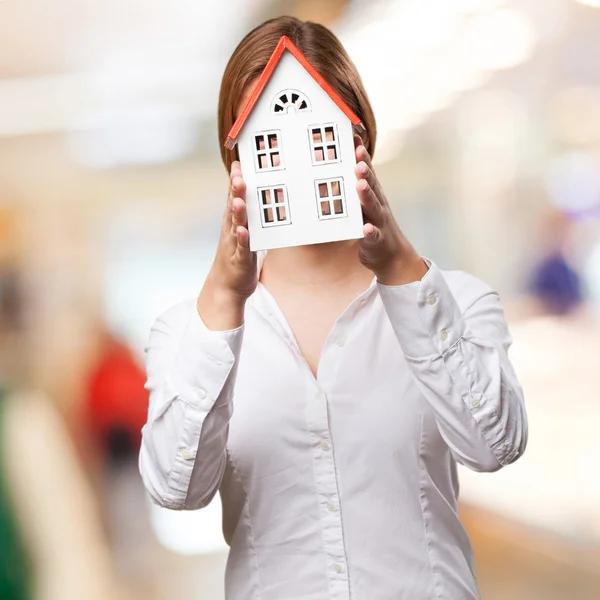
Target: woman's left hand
384	249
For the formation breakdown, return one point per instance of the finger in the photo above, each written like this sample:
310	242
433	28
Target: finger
363	171
358	141
363	154
236	169
242	250
238	187
241	212
372	234
371	206
234	172
238	215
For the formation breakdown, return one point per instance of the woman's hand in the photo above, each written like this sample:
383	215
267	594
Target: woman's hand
384	249
233	276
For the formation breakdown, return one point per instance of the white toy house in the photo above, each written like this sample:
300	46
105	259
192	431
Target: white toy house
296	148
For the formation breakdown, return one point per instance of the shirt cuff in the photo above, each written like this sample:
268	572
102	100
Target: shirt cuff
424	314
203	362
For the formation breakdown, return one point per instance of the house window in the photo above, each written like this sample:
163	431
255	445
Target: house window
274	208
331	202
290	101
324	143
267	151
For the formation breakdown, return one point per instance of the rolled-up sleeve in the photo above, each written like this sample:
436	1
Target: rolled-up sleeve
455	340
191	375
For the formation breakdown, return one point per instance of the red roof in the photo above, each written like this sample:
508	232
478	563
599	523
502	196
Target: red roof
285	44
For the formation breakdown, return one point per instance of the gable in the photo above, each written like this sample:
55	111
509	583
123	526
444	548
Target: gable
291	77
286	48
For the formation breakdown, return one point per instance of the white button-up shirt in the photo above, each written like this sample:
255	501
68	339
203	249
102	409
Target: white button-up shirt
344	486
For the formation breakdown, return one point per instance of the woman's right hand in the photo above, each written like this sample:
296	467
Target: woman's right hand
233	276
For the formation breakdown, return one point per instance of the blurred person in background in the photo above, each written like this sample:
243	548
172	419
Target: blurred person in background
116	401
329	391
116	406
554	283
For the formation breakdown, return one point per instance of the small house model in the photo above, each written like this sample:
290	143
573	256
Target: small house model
295	144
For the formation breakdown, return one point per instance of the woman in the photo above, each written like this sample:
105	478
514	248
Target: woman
328	391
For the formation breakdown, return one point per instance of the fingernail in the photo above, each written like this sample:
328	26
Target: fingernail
363	168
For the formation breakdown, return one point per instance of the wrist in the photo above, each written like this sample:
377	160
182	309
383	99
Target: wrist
220	308
402	270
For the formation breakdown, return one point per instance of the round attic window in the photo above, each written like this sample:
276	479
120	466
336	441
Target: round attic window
290	101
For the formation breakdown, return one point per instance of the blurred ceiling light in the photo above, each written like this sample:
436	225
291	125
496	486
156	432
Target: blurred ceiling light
84	100
500	39
150	54
476	5
594	3
142	135
40	104
551	18
575	114
421	23
417	56
454	69
490	123
498	133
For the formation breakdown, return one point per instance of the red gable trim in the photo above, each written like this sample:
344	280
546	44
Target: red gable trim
285	44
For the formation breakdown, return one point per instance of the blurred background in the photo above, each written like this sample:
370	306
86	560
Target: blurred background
111	194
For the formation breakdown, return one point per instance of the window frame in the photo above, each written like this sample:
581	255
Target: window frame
330	198
323	144
301	98
267	151
274	205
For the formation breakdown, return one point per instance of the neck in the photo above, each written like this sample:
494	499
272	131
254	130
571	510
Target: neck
318	264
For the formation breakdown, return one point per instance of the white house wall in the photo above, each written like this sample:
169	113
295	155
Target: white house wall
299	174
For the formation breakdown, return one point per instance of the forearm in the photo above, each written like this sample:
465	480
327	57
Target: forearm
219	308
478	407
183	456
191	377
458	357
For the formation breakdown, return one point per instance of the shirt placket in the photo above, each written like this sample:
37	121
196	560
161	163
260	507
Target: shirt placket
328	494
317	420
325	468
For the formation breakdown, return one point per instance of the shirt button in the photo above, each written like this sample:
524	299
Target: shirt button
186	453
476	401
340	341
201	394
331	507
432	299
325	445
338	568
444	335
